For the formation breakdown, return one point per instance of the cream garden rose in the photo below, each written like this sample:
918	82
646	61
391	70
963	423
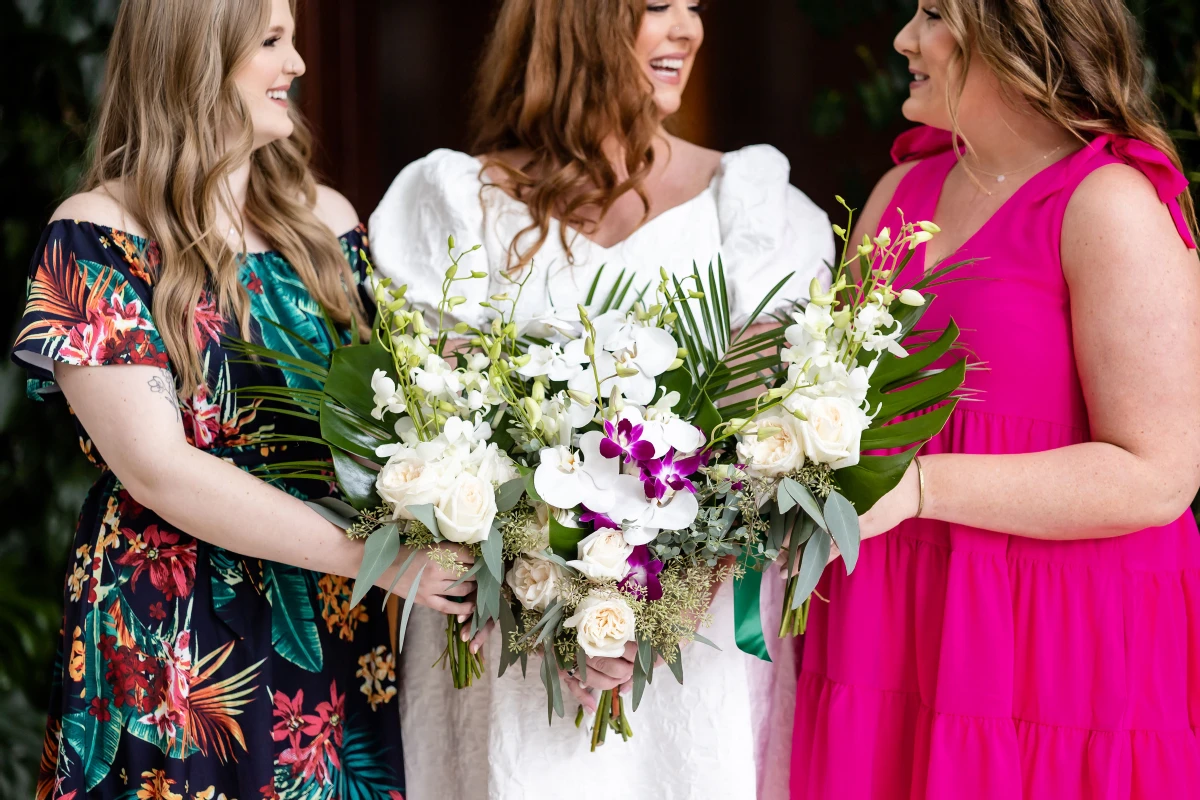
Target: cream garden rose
775	455
603	555
535	580
833	432
409	480
604	625
466	512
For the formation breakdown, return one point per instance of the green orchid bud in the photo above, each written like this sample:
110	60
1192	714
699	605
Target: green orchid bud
842	319
500	298
767	431
840	231
655	309
484	304
496	326
510	330
445	406
911	297
616	403
929	227
452	271
662	273
579	397
681	353
450	242
737	423
385	282
626	372
396	305
670	317
476	247
476	341
694	295
538	392
533	411
589	347
674	365
521	360
461	328
477	274
800	415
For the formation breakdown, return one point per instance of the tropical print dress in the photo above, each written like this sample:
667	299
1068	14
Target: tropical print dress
186	671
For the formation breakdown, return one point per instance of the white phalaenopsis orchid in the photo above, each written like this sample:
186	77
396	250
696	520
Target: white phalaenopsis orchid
675	512
663	428
561	321
551	362
631	370
386	397
617	330
567	478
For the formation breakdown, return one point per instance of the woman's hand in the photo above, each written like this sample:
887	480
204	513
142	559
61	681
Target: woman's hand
602	675
896	506
435	589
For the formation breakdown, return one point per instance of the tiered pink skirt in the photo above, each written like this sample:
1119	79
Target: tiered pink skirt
960	663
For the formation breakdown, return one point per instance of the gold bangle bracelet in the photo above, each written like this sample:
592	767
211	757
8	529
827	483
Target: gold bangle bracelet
920	488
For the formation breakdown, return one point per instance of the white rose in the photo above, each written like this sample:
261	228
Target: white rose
535	580
604	626
465	514
603	555
409	480
776	455
833	432
494	466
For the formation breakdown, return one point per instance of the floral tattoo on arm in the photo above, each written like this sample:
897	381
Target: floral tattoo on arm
164	384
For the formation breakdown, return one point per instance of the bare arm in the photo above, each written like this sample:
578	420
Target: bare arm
1135	309
132	415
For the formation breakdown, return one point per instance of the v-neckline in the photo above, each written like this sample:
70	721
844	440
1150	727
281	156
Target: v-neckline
576	233
922	257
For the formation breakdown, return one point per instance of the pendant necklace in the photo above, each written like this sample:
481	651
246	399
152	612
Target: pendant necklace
1001	177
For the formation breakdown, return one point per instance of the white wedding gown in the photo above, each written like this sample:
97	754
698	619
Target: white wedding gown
726	732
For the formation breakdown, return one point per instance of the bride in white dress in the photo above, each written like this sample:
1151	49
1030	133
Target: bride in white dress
726	732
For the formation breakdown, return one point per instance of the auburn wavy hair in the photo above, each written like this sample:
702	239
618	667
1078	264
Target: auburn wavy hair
1078	62
163	135
560	79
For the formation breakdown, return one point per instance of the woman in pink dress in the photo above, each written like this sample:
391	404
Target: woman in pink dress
1025	621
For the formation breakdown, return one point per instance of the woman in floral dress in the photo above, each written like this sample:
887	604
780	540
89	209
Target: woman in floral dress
209	649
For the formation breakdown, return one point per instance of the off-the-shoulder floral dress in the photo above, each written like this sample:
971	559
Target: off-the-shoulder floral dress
187	671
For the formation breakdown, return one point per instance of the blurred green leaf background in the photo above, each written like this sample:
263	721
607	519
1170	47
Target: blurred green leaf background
51	57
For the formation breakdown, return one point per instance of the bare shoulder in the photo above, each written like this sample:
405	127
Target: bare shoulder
101	206
1115	222
881	195
335	211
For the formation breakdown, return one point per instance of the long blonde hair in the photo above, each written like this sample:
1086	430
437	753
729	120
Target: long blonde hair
169	101
560	78
1079	63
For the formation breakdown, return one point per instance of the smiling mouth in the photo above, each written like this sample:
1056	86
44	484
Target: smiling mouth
278	95
668	69
920	77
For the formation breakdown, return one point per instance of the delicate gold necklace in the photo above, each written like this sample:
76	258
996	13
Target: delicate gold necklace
1001	177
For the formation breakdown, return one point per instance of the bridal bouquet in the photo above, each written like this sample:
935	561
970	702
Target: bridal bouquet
854	362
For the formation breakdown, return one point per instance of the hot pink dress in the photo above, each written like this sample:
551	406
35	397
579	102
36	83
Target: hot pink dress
963	663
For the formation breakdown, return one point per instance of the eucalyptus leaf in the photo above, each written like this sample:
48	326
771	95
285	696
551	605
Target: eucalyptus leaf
466	576
424	514
800	495
336	517
509	494
645	654
409	602
379	551
843	526
812	565
412	556
703	640
493	552
676	666
639	684
508	626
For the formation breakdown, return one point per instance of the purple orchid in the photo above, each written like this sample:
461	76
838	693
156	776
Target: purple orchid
661	474
625	439
598	520
642	580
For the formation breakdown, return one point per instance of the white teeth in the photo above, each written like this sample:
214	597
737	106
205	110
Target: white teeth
277	95
917	76
667	63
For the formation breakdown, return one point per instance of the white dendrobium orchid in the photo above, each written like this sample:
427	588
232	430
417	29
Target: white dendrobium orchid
652	351
551	362
568	478
438	377
386	398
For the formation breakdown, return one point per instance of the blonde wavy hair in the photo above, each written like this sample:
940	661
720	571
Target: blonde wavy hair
168	107
560	79
1078	62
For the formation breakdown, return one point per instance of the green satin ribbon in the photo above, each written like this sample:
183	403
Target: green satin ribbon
747	615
